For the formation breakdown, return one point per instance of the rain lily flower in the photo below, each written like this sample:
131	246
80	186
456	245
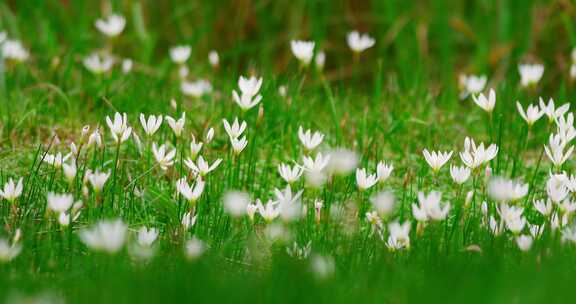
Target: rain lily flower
383	203
209	135
236	129
189	193
180	54
238	145
290	174
98	64
524	242
308	139
342	161
320	60
177	125
195	147
399	235
512	217
202	167
57	159
60	202
8	251
213	58
106	236
14	50
555	150
268	211
430	207
530	74
111	26
504	190
147	236
436	159
69	171
119	127
150	125
246	102
359	42
551	111
486	103
544	207
97	179
532	114
235	203
194	248
459	174
188	220
248	97
365	181
11	190
303	51
127	65
164	158
472	84
383	171
95	139
475	156
315	164
196	88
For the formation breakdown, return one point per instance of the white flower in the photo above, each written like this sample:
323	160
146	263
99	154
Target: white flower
202	167
383	171
530	74
95	139
180	54
150	125
236	129
524	242
164	158
119	127
107	236
177	125
459	174
269	211
555	150
359	42
567	207
474	156
209	135
505	190
543	207
315	164
250	86
436	159
69	171
342	161
57	159
127	65
487	104
556	187
365	181
235	203
374	219
512	217
189	193
14	50
251	209
60	202
238	145
12	190
430	207
196	88
531	115
551	111
194	248
188	220
147	236
472	84
399	235
112	26
246	102
323	266
97	179
308	139
383	203
290	174
195	147
213	58
8	251
320	60
302	50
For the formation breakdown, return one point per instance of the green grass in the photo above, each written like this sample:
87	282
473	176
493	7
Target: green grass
398	99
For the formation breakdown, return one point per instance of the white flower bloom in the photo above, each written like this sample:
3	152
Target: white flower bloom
290	174
430	207
320	60
97	179
530	74
164	158
359	42
127	65
532	114
236	129
147	236
213	58
150	125
551	111
504	190
8	251
365	181
315	164
195	147
543	207
119	127
177	125
567	207
111	26
524	242
14	50
196	88
269	211
69	171
459	174
189	193
342	161
399	235
302	50
436	159
236	202
250	86
98	64
474	156
556	187
238	145
472	84
202	167
194	248
11	190
188	220
496	227
180	54
57	159
246	102
487	104
209	135
555	150
383	203
512	217
95	139
60	202
323	266
308	139
384	171
106	236
251	210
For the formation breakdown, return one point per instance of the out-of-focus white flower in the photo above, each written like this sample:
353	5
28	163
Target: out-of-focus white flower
315	164
532	114
188	220
486	103
97	179
111	26
164	158
302	50
342	161
436	159
98	64
364	180
530	74
150	125
504	190
9	251
14	50
180	54
359	42
11	190
524	242
308	139
471	84
459	174
430	207
323	266
106	236
512	217
320	60
383	203
196	88
235	203
213	58
95	139
194	248
177	125
399	235
69	171
57	159
556	187
127	65
544	207
147	236
59	202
